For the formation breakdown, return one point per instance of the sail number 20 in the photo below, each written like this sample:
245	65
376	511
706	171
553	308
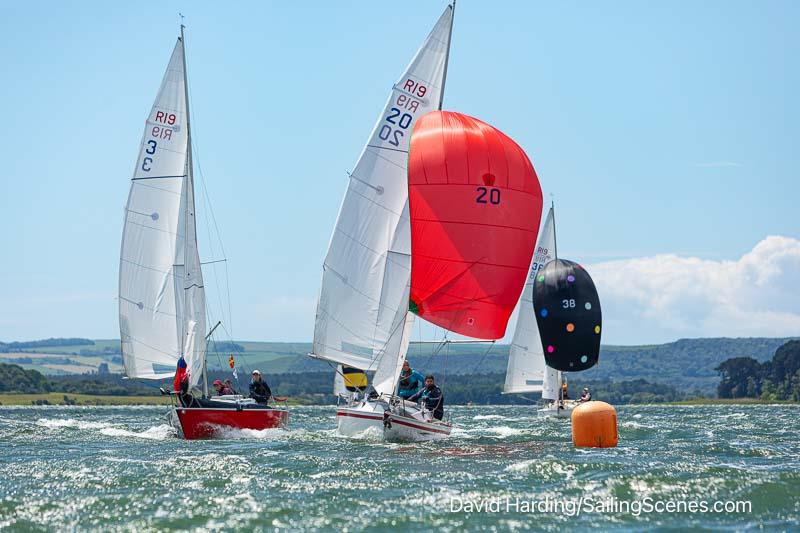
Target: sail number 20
488	195
401	115
401	121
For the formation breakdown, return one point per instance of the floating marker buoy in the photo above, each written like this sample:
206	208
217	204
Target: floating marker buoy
594	425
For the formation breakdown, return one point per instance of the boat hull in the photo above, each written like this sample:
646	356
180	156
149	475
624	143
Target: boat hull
361	419
205	423
405	423
554	411
399	428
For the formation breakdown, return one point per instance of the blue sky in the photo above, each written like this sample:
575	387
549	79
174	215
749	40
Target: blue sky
662	129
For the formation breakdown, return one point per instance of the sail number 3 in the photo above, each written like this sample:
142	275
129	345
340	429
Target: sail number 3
157	132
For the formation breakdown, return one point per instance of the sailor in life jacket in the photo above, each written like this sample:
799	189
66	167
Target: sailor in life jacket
259	390
586	396
410	381
431	397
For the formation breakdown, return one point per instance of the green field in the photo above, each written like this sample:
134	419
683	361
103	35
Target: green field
57	398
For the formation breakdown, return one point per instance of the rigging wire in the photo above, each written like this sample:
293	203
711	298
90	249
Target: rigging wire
208	206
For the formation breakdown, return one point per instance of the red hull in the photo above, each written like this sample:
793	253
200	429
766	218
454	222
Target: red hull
203	423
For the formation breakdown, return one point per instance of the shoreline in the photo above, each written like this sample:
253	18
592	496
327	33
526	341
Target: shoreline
60	398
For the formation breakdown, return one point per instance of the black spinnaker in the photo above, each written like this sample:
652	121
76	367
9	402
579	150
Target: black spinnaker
568	315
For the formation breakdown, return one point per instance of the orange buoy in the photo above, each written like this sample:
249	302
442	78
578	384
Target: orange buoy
594	425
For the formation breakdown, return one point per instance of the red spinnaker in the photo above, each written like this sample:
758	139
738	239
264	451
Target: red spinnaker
475	205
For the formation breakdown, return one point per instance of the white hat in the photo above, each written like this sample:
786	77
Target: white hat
256	372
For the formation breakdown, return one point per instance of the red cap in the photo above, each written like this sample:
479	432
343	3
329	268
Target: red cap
217	382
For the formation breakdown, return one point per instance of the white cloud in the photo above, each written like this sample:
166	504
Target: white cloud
664	297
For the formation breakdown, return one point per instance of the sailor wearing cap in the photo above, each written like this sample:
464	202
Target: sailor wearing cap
259	390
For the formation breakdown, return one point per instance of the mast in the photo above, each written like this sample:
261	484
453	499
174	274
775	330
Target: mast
190	208
559	374
447	55
555	241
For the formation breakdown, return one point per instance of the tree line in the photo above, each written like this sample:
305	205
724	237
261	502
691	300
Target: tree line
776	379
317	387
45	343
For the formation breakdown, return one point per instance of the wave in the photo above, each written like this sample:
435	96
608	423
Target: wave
160	432
505	431
522	466
488	417
57	423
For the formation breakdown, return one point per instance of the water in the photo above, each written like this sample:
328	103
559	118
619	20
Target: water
106	468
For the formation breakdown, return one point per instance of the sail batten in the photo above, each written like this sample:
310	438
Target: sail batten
363	301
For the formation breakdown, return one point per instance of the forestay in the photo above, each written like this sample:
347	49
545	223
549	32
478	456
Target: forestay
363	302
161	299
526	368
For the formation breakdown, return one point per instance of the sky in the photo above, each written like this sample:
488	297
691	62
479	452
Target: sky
666	132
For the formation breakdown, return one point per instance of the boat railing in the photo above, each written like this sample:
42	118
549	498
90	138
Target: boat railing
281	402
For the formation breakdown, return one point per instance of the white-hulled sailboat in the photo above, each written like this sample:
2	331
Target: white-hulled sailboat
527	371
362	316
162	308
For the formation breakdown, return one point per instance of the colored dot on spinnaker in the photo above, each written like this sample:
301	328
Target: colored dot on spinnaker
570	327
570	278
588	306
584	359
597	329
543	312
550	349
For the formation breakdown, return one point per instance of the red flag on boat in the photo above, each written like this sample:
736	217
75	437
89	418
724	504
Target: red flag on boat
475	204
180	372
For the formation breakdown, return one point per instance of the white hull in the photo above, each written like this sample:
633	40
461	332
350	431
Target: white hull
554	410
361	419
399	428
403	422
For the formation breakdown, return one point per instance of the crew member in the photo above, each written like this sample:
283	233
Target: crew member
586	396
221	388
410	381
432	397
259	390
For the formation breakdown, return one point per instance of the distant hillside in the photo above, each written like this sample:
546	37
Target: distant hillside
687	364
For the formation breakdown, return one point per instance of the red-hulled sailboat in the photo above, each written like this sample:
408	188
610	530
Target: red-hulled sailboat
162	311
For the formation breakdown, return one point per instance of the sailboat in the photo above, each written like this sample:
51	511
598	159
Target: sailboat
475	204
569	322
527	371
362	318
162	308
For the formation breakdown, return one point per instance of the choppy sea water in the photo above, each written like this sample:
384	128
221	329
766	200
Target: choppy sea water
122	468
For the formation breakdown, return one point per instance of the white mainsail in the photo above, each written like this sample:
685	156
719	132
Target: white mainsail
527	371
551	388
363	303
161	297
